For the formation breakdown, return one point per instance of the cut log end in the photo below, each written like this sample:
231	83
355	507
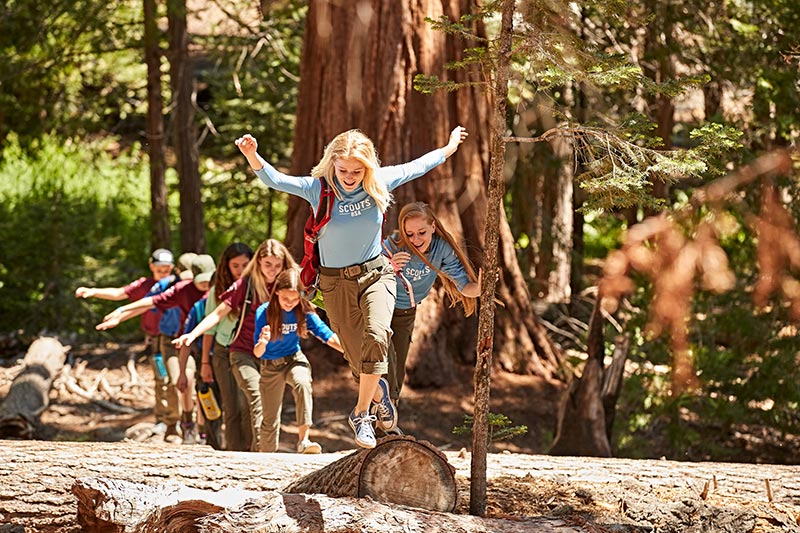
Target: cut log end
398	470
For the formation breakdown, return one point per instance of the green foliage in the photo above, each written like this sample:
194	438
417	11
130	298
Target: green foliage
500	427
68	217
57	60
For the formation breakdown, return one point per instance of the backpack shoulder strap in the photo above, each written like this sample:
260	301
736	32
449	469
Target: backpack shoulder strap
248	299
323	215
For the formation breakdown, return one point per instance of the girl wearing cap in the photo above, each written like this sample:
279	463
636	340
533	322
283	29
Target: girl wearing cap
243	298
161	265
423	250
279	326
182	295
356	280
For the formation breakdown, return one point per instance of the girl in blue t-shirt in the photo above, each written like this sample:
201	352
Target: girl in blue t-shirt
423	250
280	324
356	280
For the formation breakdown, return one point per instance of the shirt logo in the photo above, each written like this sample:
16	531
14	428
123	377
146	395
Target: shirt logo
355	209
288	328
416	274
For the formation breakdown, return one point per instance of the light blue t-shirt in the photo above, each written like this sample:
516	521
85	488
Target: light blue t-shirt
353	234
289	343
421	276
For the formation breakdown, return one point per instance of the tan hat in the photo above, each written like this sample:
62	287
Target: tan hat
185	261
203	268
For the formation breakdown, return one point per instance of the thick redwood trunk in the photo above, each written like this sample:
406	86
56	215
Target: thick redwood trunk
357	71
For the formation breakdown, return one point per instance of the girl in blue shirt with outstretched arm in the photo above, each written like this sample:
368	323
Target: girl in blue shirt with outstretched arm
356	280
423	251
280	324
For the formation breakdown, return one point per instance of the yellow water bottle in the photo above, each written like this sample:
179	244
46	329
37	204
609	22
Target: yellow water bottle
209	402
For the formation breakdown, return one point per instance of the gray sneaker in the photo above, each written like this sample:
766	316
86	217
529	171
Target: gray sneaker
362	427
384	411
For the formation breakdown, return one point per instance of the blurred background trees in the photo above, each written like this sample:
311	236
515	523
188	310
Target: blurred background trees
634	107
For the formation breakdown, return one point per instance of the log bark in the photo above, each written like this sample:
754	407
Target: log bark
398	470
36	480
29	393
111	506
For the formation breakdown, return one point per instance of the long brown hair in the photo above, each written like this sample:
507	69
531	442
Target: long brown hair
288	279
223	278
268	248
423	210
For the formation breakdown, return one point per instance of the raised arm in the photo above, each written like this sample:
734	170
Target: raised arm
305	187
211	320
397	175
125	312
457	136
104	293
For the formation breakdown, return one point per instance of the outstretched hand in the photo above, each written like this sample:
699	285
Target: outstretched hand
184	340
247	144
457	137
108	324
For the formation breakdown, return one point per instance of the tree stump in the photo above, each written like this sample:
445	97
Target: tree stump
29	393
398	470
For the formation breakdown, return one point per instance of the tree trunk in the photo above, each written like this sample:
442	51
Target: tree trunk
184	131
29	394
581	426
398	470
357	70
159	211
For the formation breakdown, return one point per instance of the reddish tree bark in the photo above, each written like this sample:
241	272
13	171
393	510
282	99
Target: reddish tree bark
357	71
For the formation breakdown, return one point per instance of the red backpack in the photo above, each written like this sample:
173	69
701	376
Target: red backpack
309	266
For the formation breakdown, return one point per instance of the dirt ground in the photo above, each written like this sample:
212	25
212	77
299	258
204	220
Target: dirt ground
429	414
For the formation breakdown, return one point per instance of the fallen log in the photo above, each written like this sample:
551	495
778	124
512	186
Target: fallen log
398	470
111	506
636	495
29	393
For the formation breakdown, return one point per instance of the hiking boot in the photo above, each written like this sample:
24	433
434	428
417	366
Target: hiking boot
362	427
190	433
384	410
172	434
307	446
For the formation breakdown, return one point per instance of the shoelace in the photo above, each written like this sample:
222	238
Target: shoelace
384	411
366	419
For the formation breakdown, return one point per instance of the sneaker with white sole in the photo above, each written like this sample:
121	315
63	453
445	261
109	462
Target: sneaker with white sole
384	410
307	446
362	427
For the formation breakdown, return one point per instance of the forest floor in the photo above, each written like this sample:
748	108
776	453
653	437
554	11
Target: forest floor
429	414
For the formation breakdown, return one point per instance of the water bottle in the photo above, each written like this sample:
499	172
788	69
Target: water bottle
209	402
161	368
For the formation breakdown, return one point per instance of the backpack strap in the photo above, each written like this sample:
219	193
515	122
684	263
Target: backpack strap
324	208
398	271
248	300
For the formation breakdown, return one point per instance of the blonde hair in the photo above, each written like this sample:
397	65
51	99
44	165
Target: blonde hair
268	248
354	144
288	279
423	210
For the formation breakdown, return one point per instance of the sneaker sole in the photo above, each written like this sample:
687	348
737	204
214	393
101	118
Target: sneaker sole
312	449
